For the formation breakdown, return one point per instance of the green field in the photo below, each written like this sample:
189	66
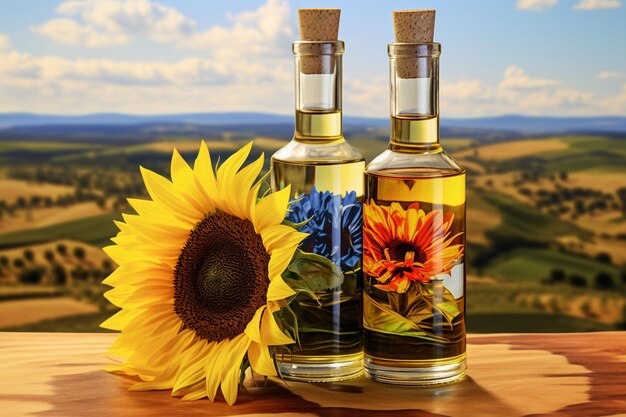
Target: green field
534	265
518	249
503	322
526	223
583	153
95	230
85	323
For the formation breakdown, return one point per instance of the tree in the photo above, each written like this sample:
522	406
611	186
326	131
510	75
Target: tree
604	257
49	256
577	281
79	253
604	281
79	273
21	202
107	265
62	249
29	255
557	276
35	201
30	275
621	194
96	274
59	275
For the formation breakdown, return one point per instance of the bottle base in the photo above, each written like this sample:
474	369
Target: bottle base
321	369
415	373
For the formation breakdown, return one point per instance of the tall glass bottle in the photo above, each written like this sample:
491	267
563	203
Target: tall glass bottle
414	236
326	177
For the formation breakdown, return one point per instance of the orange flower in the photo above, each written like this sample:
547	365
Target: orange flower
402	246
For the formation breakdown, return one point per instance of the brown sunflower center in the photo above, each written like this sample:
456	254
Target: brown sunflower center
398	250
221	277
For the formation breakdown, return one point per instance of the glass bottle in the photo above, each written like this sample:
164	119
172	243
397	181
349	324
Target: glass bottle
414	236
326	177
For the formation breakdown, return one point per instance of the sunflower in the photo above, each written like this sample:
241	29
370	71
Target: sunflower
199	278
404	246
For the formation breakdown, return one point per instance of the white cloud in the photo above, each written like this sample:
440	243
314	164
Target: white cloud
598	4
515	93
54	84
5	42
609	75
247	64
536	5
69	32
617	104
244	65
97	23
366	96
516	78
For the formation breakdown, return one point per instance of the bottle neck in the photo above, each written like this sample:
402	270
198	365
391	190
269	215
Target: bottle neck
414	78
318	90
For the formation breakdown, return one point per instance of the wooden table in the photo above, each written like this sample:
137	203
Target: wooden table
60	374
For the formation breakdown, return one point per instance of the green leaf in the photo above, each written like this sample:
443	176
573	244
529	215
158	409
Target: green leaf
440	299
317	272
300	286
296	226
380	318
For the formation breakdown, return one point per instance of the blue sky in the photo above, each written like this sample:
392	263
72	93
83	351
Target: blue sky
535	57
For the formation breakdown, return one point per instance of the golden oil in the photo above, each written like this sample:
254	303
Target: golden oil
414	237
325	174
428	359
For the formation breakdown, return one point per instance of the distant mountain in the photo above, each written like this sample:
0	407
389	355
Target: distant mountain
510	123
533	124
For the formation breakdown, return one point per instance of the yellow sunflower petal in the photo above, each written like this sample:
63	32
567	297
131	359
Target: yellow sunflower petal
163	192
185	181
243	183
120	319
194	372
279	260
213	368
203	171
281	236
232	370
279	290
260	359
152	212
271	209
197	393
226	177
253	329
271	334
139	273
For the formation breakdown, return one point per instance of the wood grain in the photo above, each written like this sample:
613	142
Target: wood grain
55	374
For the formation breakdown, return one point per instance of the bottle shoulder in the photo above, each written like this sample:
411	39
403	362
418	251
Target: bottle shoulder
417	164
334	152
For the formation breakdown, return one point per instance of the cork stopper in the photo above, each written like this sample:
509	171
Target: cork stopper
319	25
413	26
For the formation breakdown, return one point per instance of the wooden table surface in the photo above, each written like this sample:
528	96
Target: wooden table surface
60	374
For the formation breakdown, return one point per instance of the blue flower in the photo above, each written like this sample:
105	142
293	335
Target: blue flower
334	226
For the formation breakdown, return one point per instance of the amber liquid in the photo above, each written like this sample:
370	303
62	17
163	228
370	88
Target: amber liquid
330	332
434	189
